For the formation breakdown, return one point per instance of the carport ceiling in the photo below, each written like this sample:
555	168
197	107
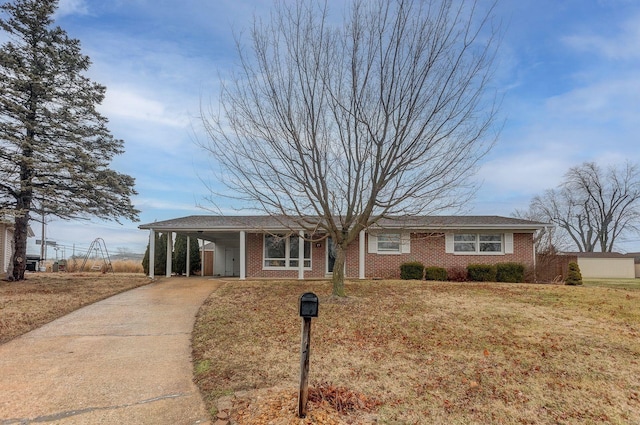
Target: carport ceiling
228	239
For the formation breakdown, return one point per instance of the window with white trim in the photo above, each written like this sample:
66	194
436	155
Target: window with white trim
389	242
478	243
464	243
281	252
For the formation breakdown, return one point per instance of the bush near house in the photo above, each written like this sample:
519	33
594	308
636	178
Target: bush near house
435	273
510	272
457	274
574	277
481	272
412	270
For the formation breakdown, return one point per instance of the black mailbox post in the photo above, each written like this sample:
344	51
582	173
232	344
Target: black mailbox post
308	308
309	305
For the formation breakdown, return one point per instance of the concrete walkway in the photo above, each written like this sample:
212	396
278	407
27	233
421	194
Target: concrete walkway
124	360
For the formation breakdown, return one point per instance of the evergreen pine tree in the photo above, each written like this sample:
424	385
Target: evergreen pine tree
194	252
574	277
161	254
55	147
160	257
180	254
145	260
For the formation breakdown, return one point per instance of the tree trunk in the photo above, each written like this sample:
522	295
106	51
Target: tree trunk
338	272
20	246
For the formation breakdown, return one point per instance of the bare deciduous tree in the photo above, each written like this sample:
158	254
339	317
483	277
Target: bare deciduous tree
384	114
550	239
595	207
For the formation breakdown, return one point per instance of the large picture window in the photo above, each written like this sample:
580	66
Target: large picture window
282	252
478	243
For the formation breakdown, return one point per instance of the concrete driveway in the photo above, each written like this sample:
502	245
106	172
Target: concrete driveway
126	359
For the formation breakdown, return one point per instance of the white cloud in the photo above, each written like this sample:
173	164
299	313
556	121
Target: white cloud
625	45
524	173
147	204
123	102
72	7
608	100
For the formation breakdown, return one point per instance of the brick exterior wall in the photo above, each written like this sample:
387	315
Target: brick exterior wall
255	243
429	249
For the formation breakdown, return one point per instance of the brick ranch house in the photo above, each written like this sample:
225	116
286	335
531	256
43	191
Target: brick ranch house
266	247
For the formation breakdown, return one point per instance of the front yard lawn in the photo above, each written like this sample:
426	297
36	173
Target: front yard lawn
424	352
43	297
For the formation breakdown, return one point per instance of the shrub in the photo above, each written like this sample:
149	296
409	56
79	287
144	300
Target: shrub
574	277
412	270
457	274
435	273
510	272
481	272
160	257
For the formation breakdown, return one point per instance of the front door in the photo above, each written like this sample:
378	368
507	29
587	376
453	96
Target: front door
229	261
331	255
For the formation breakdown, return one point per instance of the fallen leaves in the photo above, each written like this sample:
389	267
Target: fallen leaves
342	399
328	405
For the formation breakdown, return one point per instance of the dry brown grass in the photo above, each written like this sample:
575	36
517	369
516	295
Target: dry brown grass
127	266
118	266
43	297
443	353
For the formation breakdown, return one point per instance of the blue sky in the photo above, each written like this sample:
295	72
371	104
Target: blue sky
568	71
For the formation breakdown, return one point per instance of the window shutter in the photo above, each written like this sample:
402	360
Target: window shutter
373	244
405	243
448	243
508	243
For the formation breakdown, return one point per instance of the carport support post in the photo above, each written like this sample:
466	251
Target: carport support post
169	252
361	256
243	255
301	255
188	255
152	253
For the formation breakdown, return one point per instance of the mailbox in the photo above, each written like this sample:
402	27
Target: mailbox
309	305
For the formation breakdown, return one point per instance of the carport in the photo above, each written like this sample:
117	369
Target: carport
227	233
229	241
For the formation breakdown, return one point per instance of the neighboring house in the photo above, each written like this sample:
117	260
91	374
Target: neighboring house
6	239
6	242
636	260
264	247
605	265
